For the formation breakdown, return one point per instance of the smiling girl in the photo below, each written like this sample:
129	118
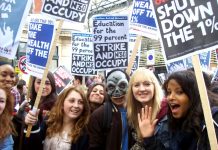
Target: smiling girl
185	115
6	125
145	92
66	124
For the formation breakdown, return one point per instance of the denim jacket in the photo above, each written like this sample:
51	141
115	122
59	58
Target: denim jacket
7	143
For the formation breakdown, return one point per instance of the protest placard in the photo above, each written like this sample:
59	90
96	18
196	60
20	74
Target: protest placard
187	27
132	40
142	20
44	77
62	78
110	39
38	45
186	63
22	64
82	54
13	15
71	10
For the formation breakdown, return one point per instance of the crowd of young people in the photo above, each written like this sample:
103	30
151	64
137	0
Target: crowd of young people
123	113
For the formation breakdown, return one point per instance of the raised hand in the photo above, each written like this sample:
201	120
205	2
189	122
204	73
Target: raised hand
146	125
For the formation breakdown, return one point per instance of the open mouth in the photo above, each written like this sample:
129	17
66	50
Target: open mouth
174	107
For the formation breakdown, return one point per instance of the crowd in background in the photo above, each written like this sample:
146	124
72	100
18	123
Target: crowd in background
113	112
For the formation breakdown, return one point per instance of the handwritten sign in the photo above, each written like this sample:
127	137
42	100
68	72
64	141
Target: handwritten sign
40	37
110	38
82	54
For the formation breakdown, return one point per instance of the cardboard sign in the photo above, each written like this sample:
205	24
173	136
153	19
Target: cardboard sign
39	45
142	20
110	38
13	15
187	27
62	78
82	54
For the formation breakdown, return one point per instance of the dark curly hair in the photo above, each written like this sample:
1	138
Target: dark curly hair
193	119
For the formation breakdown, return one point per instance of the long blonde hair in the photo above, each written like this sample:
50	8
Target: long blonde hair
133	106
55	121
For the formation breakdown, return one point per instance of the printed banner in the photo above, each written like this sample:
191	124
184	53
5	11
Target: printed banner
71	10
62	78
40	38
82	54
187	27
13	15
132	39
187	63
142	20
110	39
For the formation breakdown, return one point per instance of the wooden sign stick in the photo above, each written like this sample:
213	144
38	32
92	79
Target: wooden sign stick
29	87
44	77
205	103
134	52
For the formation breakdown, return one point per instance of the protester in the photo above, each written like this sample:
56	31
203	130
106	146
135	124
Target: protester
65	127
77	80
49	94
22	89
98	78
96	95
145	91
8	80
108	124
185	116
6	125
47	101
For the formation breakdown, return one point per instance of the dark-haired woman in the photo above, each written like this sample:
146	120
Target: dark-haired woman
185	116
96	95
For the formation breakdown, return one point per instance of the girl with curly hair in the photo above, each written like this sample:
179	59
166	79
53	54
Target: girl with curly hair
65	126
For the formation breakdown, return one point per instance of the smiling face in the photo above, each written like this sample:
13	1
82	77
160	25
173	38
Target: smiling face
7	76
178	100
47	88
97	95
73	106
143	90
3	98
